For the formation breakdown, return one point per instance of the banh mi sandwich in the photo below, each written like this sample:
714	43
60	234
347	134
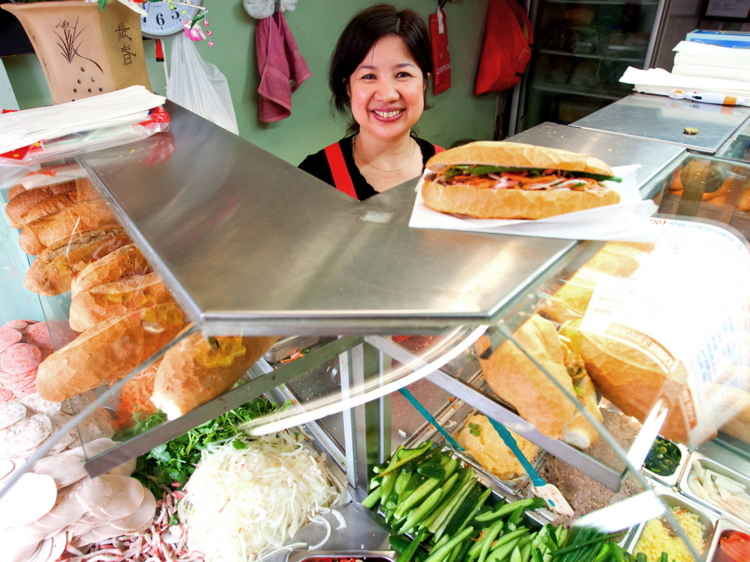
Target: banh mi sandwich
505	180
516	380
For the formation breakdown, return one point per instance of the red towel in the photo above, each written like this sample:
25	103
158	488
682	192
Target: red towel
281	66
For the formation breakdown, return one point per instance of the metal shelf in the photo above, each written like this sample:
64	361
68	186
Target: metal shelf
591	56
601	93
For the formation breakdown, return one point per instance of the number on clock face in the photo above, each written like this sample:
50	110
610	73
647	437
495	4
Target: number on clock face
162	21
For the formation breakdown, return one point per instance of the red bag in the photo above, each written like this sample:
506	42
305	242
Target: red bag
440	52
507	47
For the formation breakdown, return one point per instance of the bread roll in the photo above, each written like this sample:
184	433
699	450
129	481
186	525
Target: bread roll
23	202
121	263
512	203
97	304
28	239
634	382
59	202
108	351
53	270
492	452
77	218
193	372
519	156
618	259
517	381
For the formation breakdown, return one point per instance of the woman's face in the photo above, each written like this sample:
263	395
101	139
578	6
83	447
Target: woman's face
386	90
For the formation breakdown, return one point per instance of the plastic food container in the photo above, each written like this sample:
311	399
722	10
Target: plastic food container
674	479
336	555
707	518
718	469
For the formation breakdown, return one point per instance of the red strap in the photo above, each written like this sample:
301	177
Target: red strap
438	148
340	172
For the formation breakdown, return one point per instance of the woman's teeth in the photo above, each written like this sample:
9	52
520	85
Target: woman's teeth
387	114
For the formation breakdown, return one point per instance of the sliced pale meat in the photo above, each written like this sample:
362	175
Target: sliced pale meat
87	538
16	325
43	552
6	467
93	493
31	498
5	394
105	532
125	469
140	517
78	402
38	335
95	426
38	405
8	337
24	434
20	544
64	469
59	542
98	446
66	511
127	495
20	358
10	413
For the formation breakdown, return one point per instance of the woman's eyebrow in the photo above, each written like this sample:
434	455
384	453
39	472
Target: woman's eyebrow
370	67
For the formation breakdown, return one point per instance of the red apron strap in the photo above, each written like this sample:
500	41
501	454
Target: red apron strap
340	172
438	148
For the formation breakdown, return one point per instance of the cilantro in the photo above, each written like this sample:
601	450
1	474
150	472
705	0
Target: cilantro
171	464
474	429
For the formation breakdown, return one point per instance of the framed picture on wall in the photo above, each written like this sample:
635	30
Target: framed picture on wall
727	10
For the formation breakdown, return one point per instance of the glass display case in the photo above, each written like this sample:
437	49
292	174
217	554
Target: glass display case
405	354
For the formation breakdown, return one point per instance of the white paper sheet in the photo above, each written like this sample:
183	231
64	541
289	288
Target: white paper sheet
26	127
628	220
658	78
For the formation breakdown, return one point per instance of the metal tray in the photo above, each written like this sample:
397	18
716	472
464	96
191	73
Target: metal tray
675	478
707	518
287	346
722	528
319	555
718	469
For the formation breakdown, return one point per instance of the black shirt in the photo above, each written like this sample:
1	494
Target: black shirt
317	165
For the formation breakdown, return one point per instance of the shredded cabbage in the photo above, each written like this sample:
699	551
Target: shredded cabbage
242	503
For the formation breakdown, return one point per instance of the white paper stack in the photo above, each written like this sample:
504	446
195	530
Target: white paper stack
26	127
711	61
659	81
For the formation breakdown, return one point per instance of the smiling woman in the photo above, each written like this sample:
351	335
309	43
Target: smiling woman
378	76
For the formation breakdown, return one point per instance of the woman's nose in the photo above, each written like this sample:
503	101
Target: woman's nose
388	90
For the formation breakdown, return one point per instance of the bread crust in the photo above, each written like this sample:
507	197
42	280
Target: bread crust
512	203
520	156
59	202
184	381
76	218
121	263
53	270
28	239
108	351
97	304
517	381
23	202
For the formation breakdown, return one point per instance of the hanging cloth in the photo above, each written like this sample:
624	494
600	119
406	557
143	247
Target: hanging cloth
506	51
281	66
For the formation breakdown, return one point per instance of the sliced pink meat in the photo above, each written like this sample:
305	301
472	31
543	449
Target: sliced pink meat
16	325
9	336
6	395
38	335
20	358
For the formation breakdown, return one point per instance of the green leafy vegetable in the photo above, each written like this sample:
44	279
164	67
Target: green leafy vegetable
171	464
474	429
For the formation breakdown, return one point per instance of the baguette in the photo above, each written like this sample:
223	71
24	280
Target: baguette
108	352
77	218
57	173
121	263
517	381
23	202
92	306
53	270
193	372
28	239
58	203
503	180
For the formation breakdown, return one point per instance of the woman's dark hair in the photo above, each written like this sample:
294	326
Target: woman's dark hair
364	30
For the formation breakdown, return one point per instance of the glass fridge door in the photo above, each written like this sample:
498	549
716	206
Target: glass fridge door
582	49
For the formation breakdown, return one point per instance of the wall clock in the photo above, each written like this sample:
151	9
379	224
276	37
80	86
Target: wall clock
162	21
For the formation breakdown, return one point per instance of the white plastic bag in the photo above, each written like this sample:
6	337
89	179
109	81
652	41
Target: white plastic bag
199	86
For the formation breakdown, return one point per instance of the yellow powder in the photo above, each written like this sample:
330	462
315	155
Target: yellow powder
657	538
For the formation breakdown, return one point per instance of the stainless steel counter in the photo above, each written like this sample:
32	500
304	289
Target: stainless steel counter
663	119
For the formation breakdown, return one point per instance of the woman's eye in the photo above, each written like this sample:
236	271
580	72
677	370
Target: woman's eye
403	75
368	77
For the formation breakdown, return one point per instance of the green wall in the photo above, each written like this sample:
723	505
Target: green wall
316	25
